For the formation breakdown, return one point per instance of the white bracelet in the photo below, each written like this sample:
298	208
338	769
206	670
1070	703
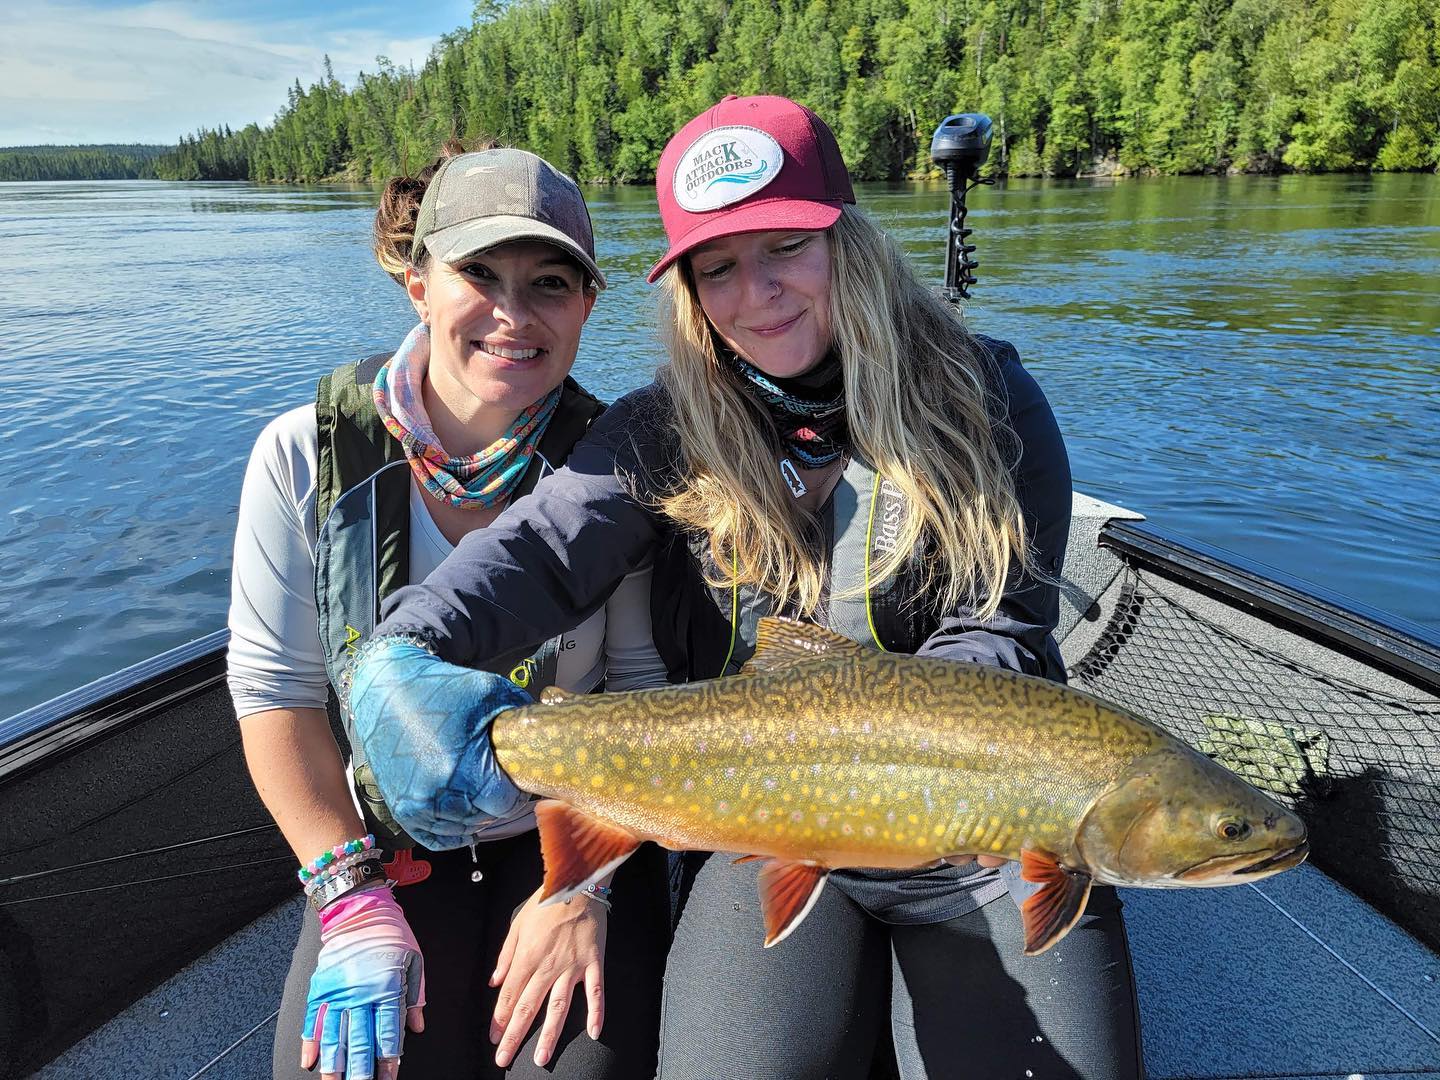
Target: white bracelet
338	865
362	875
599	893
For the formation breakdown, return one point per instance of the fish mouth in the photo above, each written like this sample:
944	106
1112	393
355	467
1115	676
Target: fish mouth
1280	860
1226	869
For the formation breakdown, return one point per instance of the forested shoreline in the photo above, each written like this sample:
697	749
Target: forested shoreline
111	161
1075	87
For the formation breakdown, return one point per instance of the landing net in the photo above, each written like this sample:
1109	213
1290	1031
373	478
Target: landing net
1361	767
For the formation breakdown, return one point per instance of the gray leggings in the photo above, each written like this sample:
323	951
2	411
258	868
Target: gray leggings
958	997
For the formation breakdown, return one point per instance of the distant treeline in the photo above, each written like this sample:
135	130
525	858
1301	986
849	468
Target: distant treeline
107	162
1074	86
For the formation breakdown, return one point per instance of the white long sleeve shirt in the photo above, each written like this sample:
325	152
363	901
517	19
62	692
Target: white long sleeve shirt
276	660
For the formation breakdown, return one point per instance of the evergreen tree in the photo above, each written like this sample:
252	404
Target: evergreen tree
597	86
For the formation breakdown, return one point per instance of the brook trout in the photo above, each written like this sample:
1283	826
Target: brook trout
823	754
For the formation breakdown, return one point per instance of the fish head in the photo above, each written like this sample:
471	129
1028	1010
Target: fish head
1174	818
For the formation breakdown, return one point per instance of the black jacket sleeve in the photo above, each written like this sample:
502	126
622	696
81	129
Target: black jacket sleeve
1019	636
552	558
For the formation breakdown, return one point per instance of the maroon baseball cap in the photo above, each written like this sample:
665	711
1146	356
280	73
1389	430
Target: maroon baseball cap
745	165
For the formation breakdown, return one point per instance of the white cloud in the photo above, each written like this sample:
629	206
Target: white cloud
78	72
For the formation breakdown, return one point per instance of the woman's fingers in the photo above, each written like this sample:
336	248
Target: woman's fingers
510	991
388	1068
507	956
555	1014
334	1043
364	1040
389	1029
595	998
526	1008
360	1047
987	861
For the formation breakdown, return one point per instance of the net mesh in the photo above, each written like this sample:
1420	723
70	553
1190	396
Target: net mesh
1362	767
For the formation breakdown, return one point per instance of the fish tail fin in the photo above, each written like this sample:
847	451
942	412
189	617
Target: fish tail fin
1051	912
578	849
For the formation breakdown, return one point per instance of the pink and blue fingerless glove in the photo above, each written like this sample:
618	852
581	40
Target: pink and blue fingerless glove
369	972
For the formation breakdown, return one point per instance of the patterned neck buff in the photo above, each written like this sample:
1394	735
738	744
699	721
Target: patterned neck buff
473	482
808	410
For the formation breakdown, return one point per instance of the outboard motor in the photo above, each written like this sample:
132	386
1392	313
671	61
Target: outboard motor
960	146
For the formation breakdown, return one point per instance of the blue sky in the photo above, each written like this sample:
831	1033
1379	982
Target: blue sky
97	71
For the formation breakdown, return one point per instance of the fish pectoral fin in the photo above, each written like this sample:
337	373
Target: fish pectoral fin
780	643
578	849
788	890
554	695
1051	912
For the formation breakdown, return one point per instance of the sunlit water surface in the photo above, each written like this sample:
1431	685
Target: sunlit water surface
1252	362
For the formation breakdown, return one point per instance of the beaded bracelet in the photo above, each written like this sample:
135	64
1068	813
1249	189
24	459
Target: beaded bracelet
339	851
599	893
343	863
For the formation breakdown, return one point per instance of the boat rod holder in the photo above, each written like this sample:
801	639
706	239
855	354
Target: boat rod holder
960	146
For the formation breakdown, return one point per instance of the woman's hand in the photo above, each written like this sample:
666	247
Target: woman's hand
547	951
987	861
368	986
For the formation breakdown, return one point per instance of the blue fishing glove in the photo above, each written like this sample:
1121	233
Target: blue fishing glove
425	727
368	974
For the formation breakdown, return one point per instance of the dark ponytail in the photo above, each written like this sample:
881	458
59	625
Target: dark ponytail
400	206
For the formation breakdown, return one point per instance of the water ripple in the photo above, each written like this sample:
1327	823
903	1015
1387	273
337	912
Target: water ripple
1252	361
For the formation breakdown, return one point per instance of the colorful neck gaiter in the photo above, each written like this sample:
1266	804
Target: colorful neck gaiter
808	410
473	482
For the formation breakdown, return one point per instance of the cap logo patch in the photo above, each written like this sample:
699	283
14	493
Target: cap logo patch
725	165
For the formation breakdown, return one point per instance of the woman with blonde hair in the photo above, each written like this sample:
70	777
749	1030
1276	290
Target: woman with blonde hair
345	501
828	442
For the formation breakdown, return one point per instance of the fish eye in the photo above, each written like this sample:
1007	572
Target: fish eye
1231	828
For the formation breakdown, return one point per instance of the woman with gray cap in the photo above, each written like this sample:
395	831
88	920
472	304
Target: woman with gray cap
361	493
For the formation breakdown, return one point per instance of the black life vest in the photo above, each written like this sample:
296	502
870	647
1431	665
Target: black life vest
362	553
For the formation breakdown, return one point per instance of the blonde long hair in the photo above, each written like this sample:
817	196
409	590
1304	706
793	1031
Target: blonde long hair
920	398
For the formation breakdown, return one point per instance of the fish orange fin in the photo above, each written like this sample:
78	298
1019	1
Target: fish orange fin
747	858
780	643
1051	912
578	849
553	695
788	890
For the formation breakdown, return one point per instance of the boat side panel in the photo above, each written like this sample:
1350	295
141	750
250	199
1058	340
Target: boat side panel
123	860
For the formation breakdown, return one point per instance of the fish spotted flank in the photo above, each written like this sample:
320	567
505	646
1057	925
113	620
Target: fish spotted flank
823	754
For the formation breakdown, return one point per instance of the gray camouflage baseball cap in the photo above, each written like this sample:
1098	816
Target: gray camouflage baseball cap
480	200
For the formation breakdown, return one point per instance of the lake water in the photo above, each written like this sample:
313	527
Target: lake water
1249	361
